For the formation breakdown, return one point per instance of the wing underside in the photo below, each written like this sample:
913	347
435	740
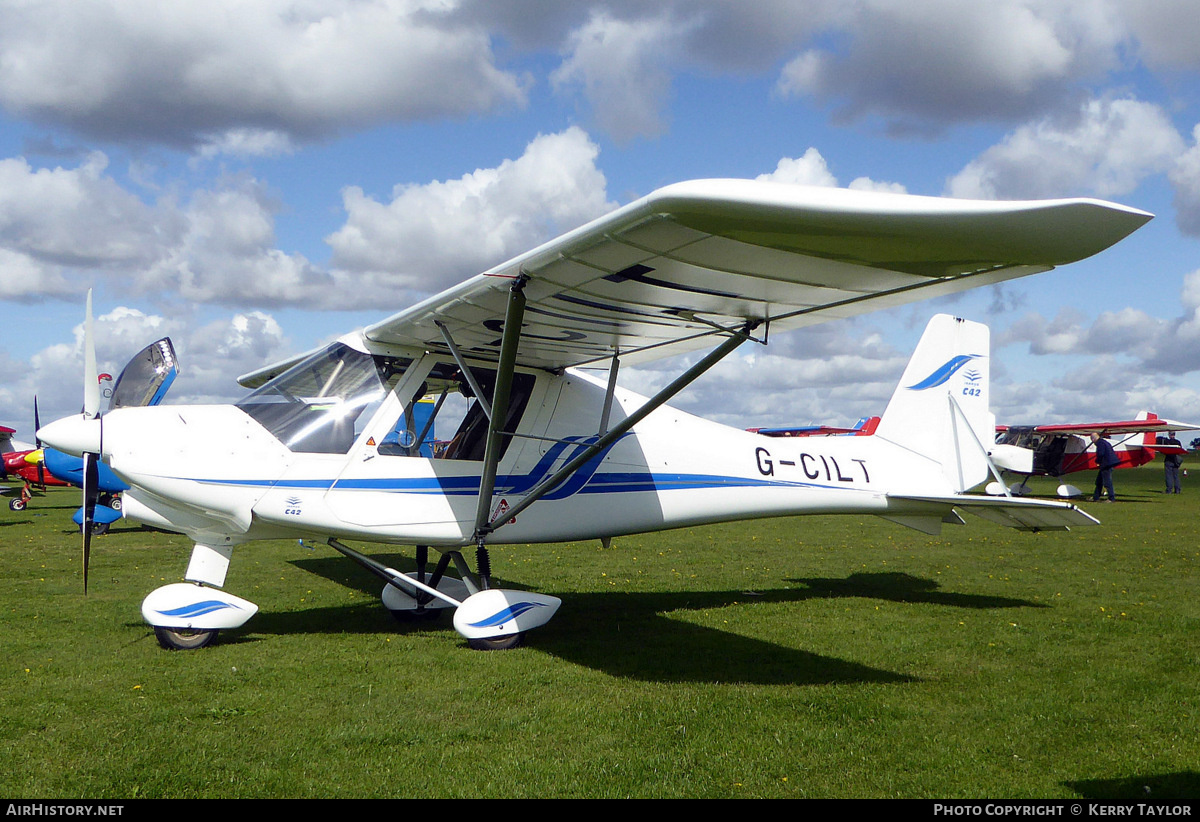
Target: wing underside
662	275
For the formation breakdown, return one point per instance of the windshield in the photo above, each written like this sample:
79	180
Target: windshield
318	405
147	377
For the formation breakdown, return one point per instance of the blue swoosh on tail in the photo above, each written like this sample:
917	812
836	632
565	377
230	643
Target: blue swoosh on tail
943	373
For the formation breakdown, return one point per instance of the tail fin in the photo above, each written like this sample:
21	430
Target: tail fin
940	409
1150	438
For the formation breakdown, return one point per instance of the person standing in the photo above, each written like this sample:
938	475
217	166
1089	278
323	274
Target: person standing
1106	461
1171	463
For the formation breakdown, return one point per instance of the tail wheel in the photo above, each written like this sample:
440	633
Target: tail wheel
183	639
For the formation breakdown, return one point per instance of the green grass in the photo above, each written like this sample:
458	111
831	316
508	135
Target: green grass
808	657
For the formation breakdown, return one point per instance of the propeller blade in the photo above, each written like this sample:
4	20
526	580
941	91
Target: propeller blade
91	379
37	424
37	441
91	490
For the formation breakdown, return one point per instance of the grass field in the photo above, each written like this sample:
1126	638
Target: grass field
809	657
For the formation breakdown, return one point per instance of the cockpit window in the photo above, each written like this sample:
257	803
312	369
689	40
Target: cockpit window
445	420
320	404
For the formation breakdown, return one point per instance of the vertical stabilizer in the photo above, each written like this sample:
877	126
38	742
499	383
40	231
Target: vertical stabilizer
1150	438
940	410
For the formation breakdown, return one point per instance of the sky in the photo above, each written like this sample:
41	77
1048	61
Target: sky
254	179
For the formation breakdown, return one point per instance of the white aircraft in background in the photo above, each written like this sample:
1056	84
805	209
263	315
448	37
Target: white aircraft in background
544	452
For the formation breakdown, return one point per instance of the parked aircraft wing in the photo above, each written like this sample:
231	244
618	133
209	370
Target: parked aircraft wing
653	278
1121	427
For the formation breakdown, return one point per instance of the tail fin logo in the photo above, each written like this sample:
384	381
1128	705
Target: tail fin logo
945	372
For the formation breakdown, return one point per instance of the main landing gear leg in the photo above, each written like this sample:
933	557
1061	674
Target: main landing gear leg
483	561
489	618
420	606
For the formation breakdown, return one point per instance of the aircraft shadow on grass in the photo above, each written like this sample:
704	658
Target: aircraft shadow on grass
633	635
1150	788
901	587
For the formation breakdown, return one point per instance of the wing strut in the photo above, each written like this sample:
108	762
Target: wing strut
608	393
736	338
513	317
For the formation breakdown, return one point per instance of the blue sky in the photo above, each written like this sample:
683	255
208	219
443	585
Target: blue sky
253	179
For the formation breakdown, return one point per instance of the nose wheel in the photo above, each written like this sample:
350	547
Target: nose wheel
184	639
499	643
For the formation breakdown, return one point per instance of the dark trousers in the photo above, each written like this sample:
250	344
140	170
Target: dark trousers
1104	480
1172	478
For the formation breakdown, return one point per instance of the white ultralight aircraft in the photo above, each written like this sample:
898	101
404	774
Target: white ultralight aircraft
331	446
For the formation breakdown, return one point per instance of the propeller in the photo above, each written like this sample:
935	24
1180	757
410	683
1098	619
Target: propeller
91	410
37	441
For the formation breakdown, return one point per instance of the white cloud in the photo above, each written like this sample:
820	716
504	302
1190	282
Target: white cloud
226	254
436	235
60	228
1121	362
60	217
247	142
809	170
210	358
214	355
946	61
180	72
1166	30
832	374
1108	147
812	170
621	66
1185	177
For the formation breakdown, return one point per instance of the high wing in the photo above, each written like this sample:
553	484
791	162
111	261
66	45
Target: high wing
1121	427
865	427
663	274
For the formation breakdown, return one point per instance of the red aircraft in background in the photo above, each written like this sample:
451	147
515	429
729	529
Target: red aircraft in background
865	427
25	464
1057	450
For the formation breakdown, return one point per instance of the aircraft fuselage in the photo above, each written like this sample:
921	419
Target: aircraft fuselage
216	472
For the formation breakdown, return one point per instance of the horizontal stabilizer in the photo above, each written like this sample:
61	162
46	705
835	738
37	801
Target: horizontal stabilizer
929	524
1022	514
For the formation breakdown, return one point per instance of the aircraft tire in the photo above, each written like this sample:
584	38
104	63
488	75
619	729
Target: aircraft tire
99	529
115	503
16	504
496	643
183	639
